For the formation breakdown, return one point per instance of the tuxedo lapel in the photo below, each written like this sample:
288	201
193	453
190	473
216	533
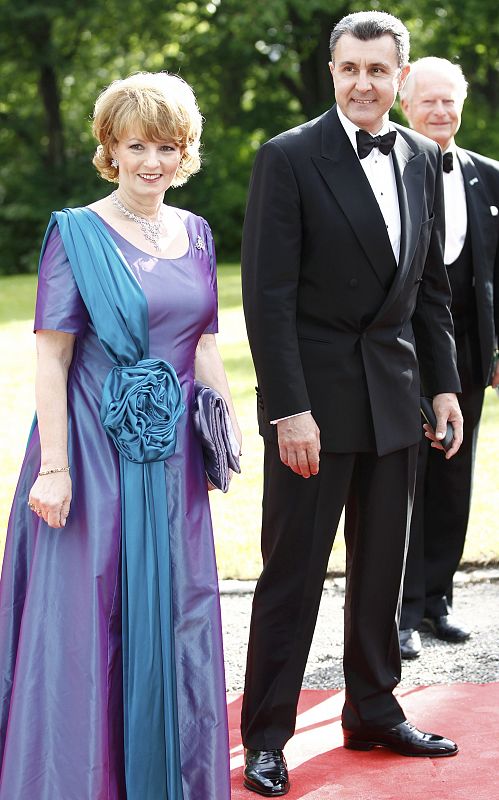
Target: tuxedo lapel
409	175
340	168
409	171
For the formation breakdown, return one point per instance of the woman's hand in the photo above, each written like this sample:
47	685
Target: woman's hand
50	495
237	433
50	498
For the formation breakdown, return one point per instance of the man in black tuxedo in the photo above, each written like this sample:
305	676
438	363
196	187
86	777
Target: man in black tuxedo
432	99
343	279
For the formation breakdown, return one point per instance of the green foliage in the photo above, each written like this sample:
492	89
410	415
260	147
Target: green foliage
257	66
236	516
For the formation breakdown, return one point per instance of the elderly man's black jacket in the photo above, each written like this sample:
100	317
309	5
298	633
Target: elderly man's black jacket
481	186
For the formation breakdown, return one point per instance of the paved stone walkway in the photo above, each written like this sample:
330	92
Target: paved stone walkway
477	660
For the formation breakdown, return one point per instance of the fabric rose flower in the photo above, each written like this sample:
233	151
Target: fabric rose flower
140	407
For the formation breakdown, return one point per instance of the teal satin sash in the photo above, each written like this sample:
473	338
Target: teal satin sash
141	404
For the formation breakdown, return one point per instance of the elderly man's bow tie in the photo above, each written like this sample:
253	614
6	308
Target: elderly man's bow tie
448	162
366	142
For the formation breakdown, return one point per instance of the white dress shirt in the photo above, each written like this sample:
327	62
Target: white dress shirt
456	215
381	176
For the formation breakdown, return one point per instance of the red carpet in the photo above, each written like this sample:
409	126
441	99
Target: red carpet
323	770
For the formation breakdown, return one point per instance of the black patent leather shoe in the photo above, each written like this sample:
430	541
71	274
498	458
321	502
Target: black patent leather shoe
404	739
446	628
266	772
410	643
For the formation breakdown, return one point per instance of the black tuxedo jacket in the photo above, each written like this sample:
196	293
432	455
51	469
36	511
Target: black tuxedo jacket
481	185
333	323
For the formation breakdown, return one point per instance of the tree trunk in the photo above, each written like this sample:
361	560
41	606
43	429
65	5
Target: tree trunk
314	88
39	34
49	91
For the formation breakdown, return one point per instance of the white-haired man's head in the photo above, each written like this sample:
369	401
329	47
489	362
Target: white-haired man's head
432	98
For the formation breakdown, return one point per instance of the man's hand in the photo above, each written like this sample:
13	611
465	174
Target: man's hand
299	444
446	408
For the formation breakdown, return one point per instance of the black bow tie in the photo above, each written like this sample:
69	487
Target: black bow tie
366	142
448	162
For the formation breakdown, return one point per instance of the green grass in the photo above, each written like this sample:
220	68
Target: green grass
17	298
236	515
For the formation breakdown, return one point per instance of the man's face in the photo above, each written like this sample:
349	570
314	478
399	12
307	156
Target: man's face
366	77
434	107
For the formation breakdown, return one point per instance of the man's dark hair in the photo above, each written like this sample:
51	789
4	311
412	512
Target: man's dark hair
366	25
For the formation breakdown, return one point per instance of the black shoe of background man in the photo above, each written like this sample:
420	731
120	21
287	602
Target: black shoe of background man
446	628
404	739
266	772
410	643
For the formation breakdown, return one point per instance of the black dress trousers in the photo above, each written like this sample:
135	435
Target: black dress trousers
443	488
443	501
300	517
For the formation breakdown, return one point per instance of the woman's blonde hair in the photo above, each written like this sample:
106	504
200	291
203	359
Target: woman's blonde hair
158	106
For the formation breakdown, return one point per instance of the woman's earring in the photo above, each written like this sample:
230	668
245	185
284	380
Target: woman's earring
115	163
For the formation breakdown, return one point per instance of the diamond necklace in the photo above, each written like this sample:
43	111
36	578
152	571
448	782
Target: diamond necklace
151	230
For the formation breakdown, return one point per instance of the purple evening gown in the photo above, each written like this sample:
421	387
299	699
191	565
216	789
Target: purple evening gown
61	723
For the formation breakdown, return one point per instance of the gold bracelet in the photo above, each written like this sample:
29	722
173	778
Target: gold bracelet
51	471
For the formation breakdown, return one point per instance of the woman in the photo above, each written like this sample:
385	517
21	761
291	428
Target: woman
111	664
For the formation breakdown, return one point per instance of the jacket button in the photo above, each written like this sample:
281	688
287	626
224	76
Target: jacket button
353	282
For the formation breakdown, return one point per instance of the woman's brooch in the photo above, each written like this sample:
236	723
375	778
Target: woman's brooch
200	245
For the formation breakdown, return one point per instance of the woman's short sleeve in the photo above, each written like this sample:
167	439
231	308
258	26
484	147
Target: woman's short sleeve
212	327
59	306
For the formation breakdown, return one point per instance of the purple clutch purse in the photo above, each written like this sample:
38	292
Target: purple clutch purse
214	428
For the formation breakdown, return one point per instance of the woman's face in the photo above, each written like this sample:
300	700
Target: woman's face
146	168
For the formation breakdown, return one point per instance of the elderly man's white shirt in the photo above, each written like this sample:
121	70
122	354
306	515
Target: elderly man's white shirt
456	215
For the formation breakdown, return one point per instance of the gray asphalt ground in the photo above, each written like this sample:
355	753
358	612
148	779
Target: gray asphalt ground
476	604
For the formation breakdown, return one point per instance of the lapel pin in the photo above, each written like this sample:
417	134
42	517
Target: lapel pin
473	181
494	211
200	244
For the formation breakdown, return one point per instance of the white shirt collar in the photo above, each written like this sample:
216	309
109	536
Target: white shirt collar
351	129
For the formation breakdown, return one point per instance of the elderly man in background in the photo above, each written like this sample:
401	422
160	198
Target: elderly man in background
432	100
